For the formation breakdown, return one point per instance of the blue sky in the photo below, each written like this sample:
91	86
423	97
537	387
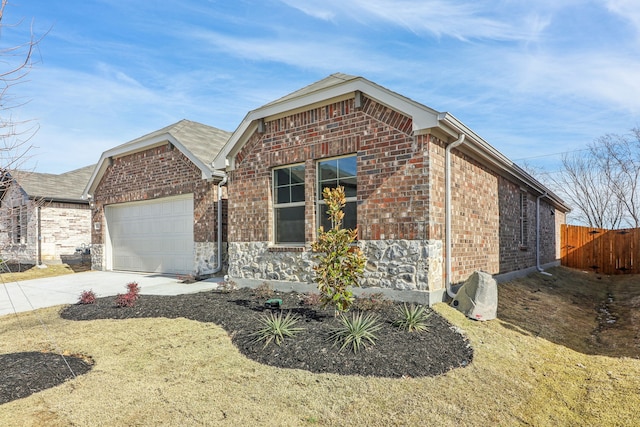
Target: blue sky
533	78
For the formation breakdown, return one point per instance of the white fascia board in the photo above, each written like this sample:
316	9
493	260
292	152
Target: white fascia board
422	116
224	158
98	171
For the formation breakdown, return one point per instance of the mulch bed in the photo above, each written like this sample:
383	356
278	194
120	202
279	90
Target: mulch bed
397	353
22	374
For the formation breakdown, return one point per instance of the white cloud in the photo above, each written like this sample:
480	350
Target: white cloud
610	81
626	9
460	20
301	51
314	9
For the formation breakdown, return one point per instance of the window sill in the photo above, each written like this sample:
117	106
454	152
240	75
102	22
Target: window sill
524	248
285	248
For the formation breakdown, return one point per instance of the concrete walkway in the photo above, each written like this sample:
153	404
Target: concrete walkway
49	291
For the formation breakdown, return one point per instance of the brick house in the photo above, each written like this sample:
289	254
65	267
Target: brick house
43	217
432	200
157	203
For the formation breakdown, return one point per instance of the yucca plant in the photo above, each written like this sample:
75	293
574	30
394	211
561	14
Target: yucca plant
276	327
413	318
356	331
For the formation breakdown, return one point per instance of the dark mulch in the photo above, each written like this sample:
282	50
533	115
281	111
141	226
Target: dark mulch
396	353
22	374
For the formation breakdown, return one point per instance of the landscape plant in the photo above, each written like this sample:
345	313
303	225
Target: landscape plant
87	297
413	318
310	299
227	286
264	290
356	331
129	299
276	327
340	262
372	302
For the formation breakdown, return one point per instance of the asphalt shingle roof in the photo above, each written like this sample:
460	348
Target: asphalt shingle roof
203	141
67	186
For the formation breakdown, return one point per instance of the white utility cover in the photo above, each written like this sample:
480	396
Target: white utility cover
151	236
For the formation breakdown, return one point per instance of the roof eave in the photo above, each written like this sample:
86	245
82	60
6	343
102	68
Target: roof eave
49	199
492	157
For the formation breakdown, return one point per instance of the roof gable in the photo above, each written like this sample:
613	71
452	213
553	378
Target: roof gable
334	86
198	142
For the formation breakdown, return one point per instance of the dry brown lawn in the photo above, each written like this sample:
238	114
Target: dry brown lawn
37	273
547	360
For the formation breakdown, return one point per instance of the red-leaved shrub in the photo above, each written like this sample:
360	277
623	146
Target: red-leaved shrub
126	300
129	299
87	297
133	288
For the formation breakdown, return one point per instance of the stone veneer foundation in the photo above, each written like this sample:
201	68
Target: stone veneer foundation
391	264
206	257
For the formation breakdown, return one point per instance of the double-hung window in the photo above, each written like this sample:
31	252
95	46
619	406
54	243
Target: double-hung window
18	226
524	220
336	172
288	189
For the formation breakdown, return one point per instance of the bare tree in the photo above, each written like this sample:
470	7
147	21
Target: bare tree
16	63
602	182
588	190
619	156
17	210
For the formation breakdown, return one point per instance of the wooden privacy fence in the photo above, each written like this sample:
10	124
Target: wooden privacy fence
600	250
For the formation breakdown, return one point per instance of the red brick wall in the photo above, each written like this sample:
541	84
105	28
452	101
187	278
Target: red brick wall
154	173
485	216
392	189
400	186
474	211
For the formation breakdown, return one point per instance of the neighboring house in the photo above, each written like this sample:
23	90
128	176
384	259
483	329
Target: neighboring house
43	217
393	156
155	202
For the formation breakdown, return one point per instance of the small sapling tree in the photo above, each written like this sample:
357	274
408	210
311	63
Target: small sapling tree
340	262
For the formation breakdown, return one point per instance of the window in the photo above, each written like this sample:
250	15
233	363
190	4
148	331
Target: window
524	221
19	224
331	174
288	190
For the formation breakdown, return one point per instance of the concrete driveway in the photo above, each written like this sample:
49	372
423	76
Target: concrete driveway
49	291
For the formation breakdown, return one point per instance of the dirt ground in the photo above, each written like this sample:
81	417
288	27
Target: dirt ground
588	312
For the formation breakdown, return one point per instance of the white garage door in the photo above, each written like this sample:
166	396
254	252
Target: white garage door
151	236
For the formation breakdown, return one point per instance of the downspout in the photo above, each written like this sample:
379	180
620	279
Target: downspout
219	255
39	234
447	212
540	269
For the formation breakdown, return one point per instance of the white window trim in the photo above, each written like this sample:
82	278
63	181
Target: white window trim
276	206
319	199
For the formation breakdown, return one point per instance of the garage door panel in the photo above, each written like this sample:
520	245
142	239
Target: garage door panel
152	236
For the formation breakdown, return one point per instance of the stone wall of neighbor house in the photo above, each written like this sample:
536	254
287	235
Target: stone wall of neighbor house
155	173
24	250
65	227
400	201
